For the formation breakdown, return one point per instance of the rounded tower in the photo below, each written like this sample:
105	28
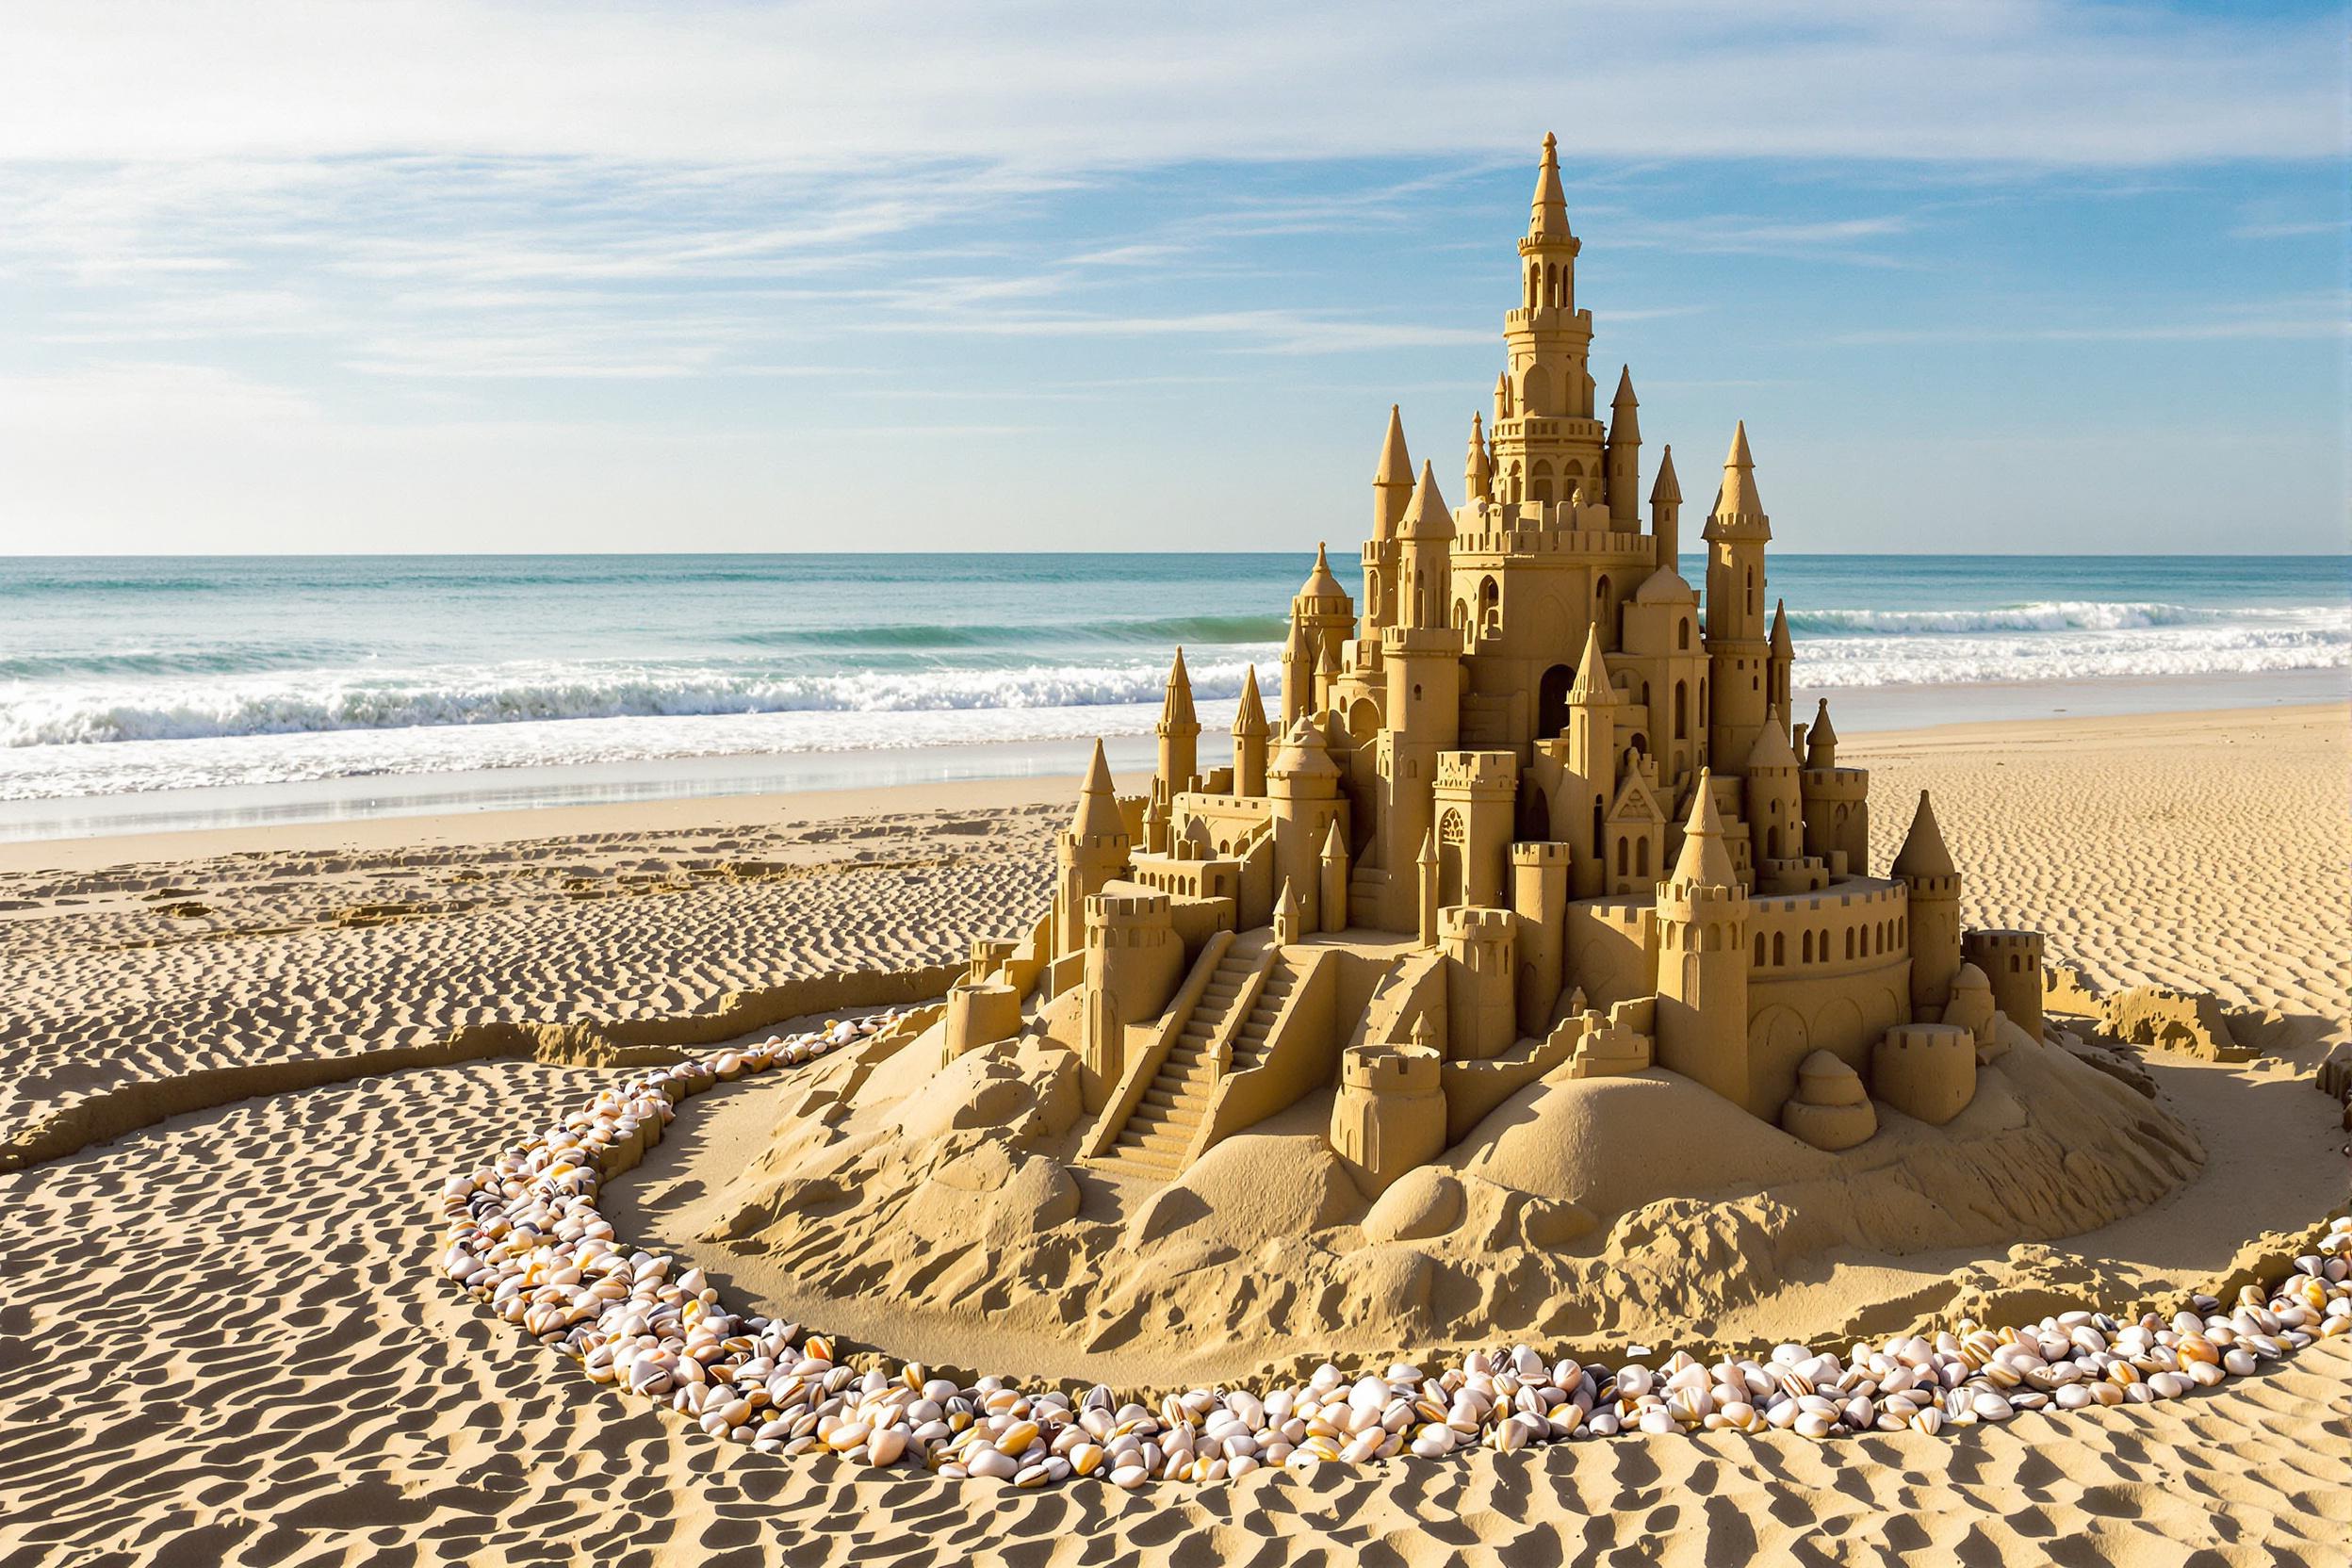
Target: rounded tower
1702	1025
1924	866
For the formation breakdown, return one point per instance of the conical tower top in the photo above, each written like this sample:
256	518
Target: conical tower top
1593	684
1320	584
1782	646
1098	815
1625	397
1705	861
1668	490
1478	474
1820	735
1771	748
1176	708
1396	464
1548	214
1249	718
1428	517
1924	853
1739	495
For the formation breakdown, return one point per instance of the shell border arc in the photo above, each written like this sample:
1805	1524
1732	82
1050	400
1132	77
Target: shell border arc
522	1235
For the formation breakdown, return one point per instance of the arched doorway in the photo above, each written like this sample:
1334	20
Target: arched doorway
1551	701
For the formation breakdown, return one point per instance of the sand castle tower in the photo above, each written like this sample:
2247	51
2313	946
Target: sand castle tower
1091	852
2011	962
1249	738
1621	458
1702	961
1924	866
1837	802
1392	493
1738	647
1321	605
1478	470
1179	731
1585	758
1666	510
1302	784
1539	897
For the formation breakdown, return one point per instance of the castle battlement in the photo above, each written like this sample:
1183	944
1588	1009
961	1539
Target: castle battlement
1476	770
1403	1070
1539	852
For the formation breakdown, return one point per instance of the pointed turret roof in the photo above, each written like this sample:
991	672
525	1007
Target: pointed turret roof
1335	846
1429	848
1739	497
1821	734
1704	860
1548	214
1396	462
1502	392
1249	718
1330	663
1477	475
1624	388
1296	646
1771	749
1427	517
1668	488
1923	852
1592	683
1320	584
1783	647
1176	707
1624	423
1098	815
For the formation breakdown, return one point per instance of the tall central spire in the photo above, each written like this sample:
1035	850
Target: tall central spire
1547	214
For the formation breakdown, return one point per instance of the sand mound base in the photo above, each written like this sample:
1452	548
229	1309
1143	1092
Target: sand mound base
1581	1213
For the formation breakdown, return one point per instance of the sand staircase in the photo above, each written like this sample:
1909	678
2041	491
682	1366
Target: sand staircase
1167	1119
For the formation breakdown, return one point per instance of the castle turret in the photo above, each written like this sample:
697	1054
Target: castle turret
1924	866
1623	458
1326	679
1539	896
1392	493
1478	474
1545	437
1666	509
1427	562
1332	874
1703	964
1784	654
1837	802
1323	606
1481	1012
1179	732
1737	645
1299	662
1249	736
1589	782
1091	852
1303	784
1774	805
1425	890
1820	740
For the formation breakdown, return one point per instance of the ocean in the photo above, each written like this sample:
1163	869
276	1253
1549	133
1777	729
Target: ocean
137	676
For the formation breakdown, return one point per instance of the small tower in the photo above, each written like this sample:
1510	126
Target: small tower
1482	1007
1290	920
1737	645
1179	732
1478	474
1249	735
1820	740
1623	458
1427	561
1703	964
1774	805
1298	673
1326	679
1539	896
1837	802
1784	654
1666	509
1091	852
1425	865
1323	607
1392	493
1333	876
1589	782
1303	784
1924	866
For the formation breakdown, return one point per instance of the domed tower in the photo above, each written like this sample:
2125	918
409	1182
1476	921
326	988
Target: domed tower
1323	607
1092	850
1703	962
1738	647
1924	866
1303	784
1392	493
1545	437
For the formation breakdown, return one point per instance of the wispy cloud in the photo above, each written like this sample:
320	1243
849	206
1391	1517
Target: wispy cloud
2305	317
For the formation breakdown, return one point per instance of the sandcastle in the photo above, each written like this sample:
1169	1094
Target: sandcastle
1530	805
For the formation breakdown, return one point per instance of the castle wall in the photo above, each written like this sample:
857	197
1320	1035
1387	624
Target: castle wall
1612	948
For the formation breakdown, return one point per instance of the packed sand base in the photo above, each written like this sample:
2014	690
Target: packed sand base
222	1340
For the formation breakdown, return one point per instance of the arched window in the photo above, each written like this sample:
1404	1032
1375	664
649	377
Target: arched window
1682	634
1540	482
1682	711
1642	857
1702	704
1604	606
1596	827
1535	284
1462	615
1490	604
1780	954
1759	950
1849	941
1623	849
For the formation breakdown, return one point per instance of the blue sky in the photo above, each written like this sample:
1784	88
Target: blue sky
2006	276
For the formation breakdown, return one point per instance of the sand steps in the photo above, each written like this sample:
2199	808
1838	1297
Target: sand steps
1169	1115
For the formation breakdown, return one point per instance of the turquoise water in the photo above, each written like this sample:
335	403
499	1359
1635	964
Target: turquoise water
132	674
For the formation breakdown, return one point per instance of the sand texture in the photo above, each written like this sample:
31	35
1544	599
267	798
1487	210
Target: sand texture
221	1338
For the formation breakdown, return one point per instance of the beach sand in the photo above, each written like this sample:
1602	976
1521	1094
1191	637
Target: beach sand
221	1338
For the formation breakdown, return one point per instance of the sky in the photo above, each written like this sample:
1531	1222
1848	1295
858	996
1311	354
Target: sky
2009	277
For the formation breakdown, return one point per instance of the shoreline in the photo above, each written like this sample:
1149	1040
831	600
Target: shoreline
1050	781
490	793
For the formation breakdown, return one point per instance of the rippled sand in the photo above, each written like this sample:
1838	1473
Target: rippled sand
219	1339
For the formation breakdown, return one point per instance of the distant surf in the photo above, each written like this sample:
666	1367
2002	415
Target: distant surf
122	675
